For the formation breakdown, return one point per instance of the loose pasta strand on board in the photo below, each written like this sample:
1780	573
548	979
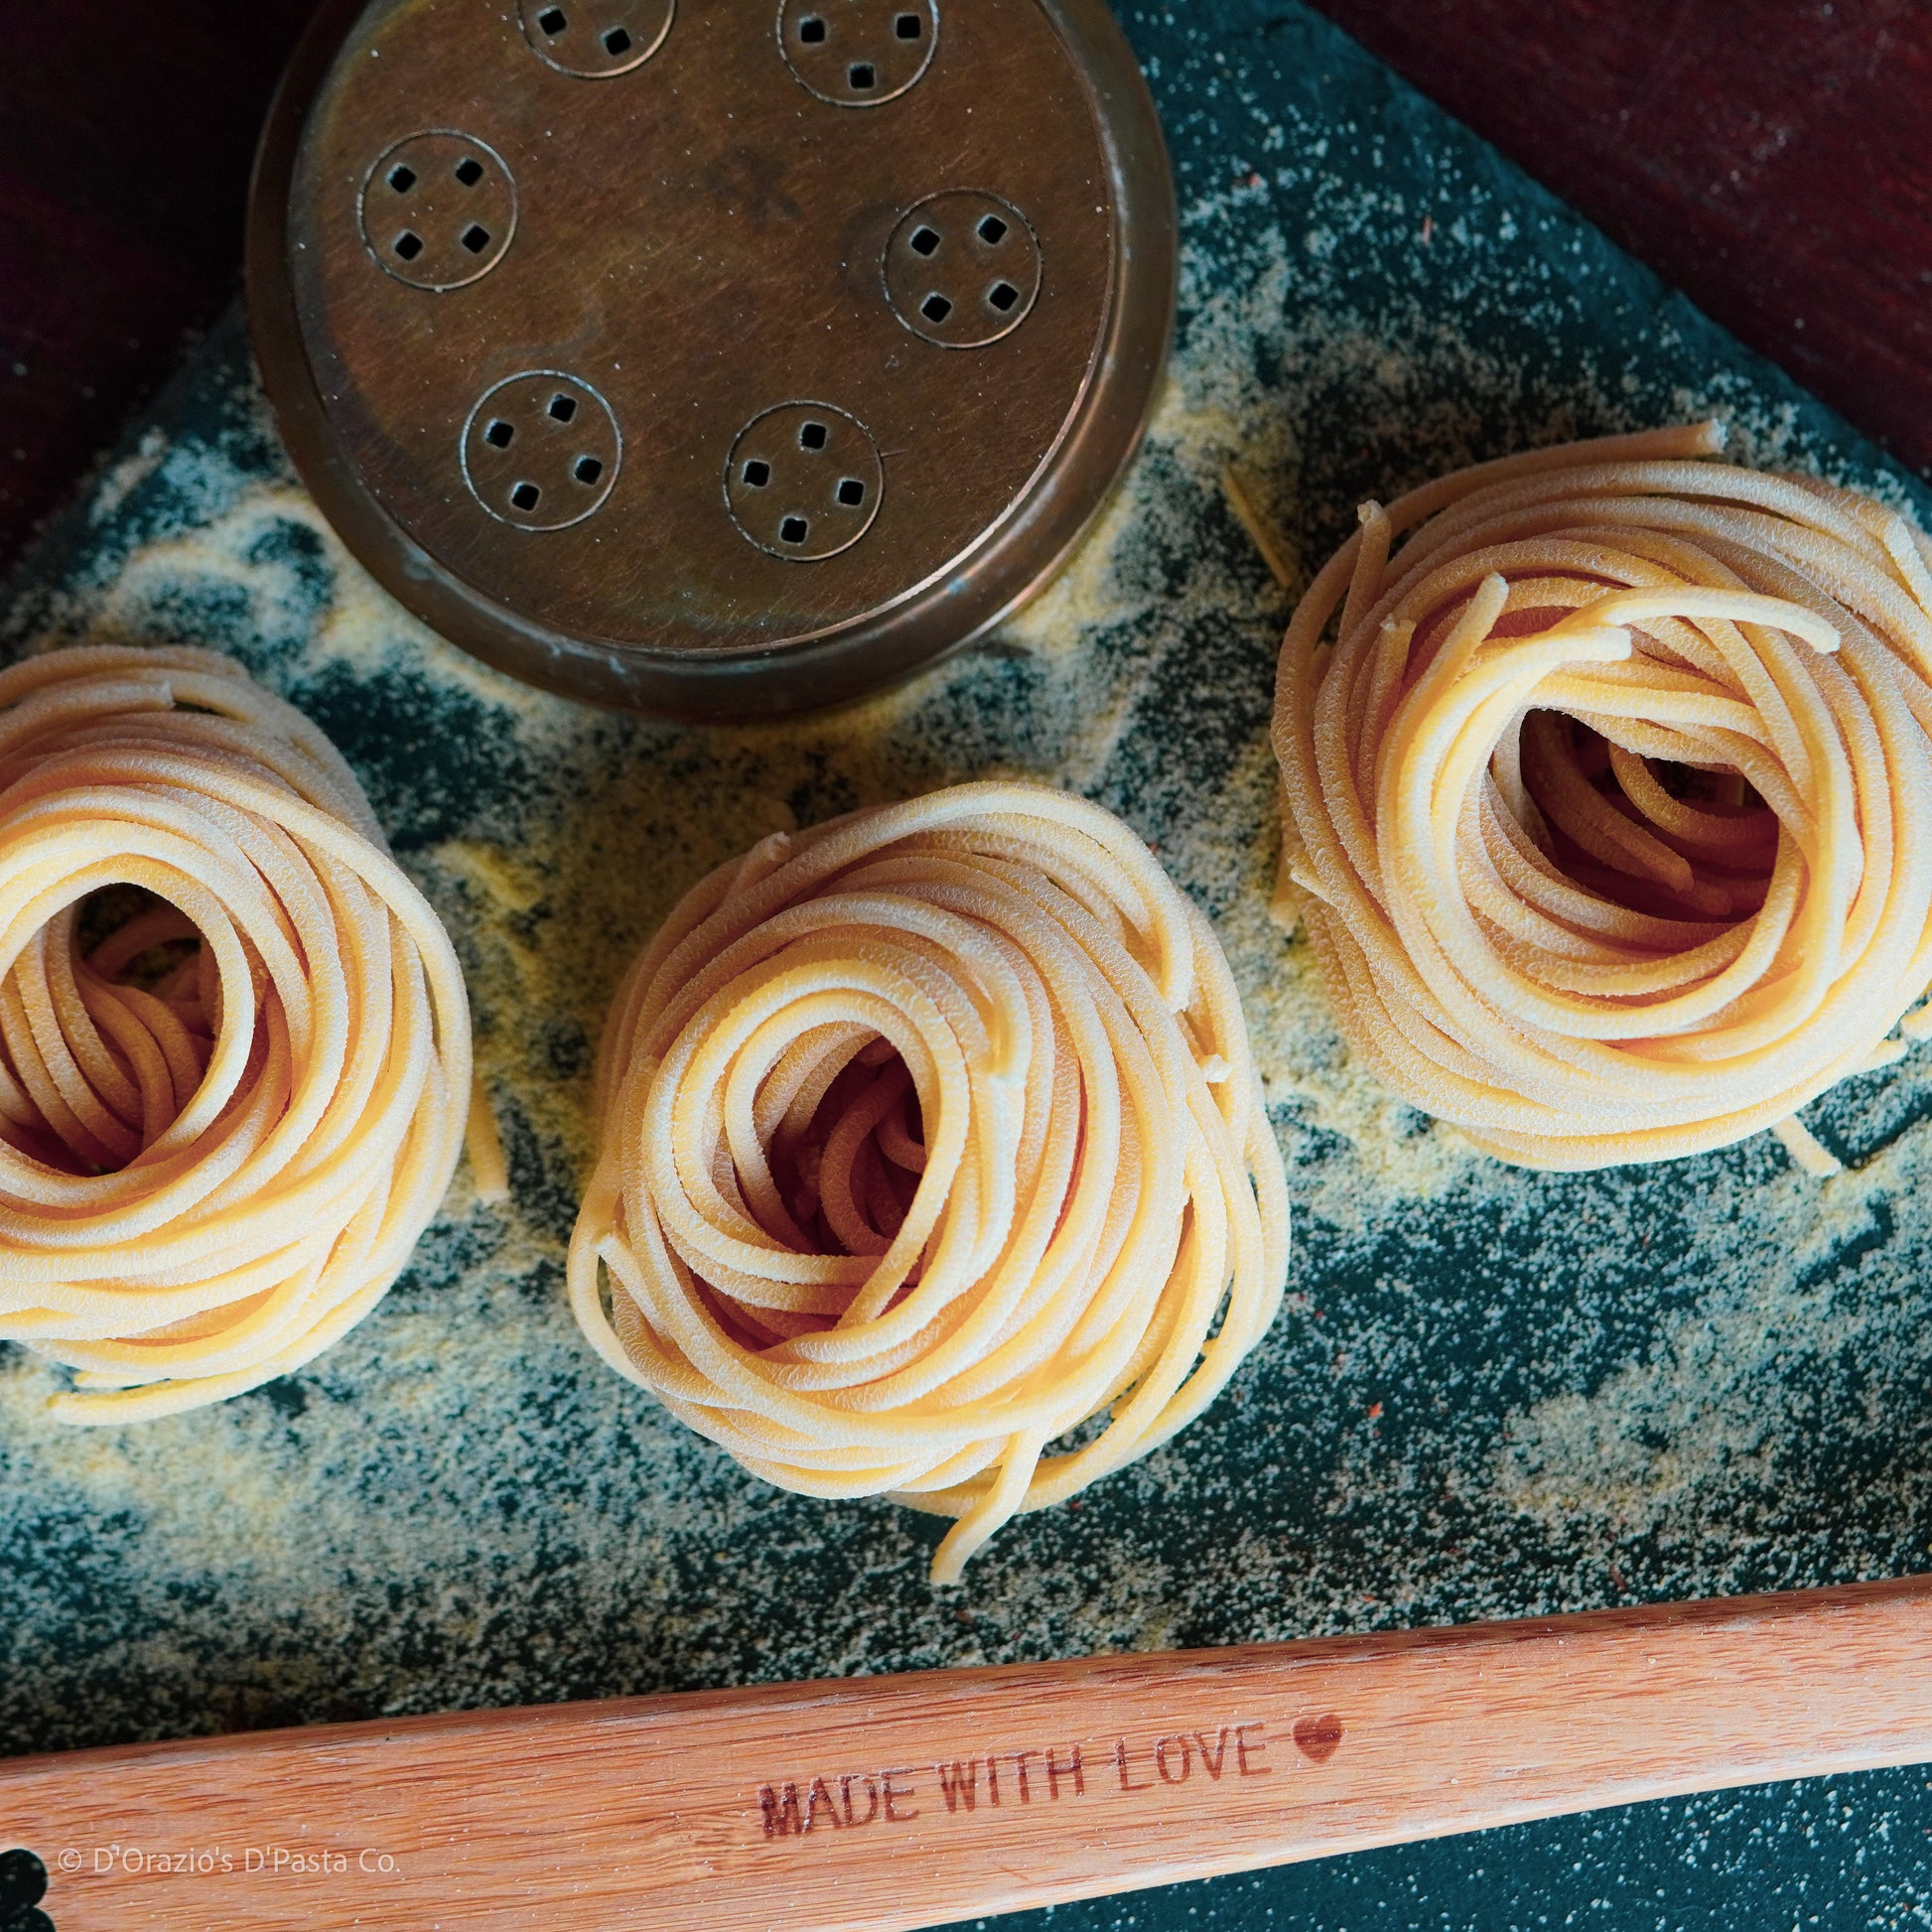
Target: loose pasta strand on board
928	1137
213	1167
1606	806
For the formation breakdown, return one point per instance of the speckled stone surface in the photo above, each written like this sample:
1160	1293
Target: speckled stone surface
1491	1393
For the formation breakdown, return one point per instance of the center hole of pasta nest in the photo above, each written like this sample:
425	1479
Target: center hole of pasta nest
122	977
848	1168
1690	843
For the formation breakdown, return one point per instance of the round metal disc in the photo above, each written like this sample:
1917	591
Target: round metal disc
713	358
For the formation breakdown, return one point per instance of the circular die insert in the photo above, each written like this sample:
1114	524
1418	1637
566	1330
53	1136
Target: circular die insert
858	53
805	481
439	209
963	269
541	451
596	40
698	241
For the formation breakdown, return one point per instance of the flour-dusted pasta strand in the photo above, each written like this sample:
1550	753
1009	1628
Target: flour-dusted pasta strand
928	1137
1606	806
208	1179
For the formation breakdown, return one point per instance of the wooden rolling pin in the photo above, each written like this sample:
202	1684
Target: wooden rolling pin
886	1803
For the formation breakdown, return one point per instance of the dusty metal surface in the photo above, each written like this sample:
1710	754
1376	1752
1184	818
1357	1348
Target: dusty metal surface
942	233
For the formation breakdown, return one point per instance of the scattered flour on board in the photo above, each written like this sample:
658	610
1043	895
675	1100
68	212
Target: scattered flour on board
1484	1379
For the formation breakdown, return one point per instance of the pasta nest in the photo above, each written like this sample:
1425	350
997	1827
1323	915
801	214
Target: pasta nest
224	1122
928	1137
1607	809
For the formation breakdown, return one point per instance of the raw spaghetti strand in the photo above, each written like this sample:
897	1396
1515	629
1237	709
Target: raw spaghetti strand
1607	811
223	1125
928	1137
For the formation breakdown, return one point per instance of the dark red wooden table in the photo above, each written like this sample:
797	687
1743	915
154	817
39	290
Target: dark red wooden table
1773	157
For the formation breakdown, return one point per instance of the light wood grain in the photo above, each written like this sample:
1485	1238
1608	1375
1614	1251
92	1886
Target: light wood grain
1106	1774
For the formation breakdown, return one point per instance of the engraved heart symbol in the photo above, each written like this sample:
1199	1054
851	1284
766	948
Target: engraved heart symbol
1318	1737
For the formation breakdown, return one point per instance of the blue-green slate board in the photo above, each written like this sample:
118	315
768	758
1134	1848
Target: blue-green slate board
1491	1393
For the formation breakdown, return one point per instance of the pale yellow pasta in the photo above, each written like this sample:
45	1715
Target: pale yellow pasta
928	1137
1609	807
209	1170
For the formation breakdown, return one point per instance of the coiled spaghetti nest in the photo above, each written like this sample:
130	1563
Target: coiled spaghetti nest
928	1137
1608	807
226	1121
